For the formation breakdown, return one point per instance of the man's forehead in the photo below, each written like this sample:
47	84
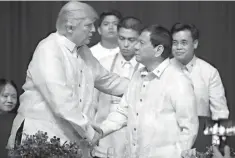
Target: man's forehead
88	20
86	14
81	10
127	32
145	35
110	18
183	34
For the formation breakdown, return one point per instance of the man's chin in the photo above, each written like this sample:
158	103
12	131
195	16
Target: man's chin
180	58
137	59
87	42
112	36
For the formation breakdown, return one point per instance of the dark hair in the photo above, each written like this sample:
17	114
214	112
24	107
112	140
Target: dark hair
107	13
130	22
190	27
3	83
159	35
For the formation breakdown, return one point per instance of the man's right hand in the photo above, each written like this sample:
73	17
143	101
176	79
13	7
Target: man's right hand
98	135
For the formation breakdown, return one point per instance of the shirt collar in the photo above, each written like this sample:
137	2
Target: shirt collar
133	62
160	69
191	64
66	42
157	71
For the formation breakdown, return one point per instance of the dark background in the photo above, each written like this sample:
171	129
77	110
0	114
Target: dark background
25	23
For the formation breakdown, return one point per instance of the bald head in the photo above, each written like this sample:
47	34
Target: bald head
71	13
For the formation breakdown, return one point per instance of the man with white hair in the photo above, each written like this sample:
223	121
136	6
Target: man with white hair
60	81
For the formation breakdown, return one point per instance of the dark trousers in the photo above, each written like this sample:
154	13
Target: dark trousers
202	141
19	135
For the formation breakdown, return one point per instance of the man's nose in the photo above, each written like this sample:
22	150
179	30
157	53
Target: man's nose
179	46
126	43
111	26
93	28
136	46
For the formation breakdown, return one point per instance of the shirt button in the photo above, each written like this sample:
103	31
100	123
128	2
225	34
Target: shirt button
81	71
137	114
80	100
134	129
143	85
79	85
134	144
140	100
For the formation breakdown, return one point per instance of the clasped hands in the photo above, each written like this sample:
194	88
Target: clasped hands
98	135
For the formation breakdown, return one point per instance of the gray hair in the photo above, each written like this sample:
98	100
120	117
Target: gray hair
72	13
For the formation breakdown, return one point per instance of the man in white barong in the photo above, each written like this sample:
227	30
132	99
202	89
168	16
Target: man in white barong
159	105
60	80
124	64
205	78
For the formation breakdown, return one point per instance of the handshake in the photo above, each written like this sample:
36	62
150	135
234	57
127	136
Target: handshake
97	136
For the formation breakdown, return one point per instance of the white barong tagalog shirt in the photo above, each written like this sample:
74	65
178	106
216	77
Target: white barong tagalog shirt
59	88
159	109
208	88
106	103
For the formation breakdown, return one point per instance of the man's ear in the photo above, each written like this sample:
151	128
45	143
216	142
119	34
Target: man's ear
159	50
99	30
69	28
195	44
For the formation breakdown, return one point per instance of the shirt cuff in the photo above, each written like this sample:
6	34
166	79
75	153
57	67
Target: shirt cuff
220	115
105	130
90	133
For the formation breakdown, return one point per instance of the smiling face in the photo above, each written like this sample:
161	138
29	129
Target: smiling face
8	98
183	46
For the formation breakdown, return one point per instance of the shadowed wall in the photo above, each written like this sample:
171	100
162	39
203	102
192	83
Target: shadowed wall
24	24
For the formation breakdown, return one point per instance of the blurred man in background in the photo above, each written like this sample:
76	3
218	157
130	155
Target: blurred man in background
107	29
124	64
